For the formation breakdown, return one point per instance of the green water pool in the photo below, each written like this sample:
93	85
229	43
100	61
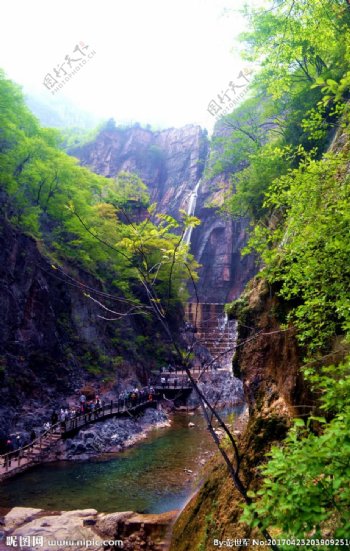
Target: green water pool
150	477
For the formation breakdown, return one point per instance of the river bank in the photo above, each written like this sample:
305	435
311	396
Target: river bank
111	436
64	500
155	477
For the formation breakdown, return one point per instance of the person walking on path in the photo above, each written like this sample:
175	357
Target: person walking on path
82	401
9	449
18	442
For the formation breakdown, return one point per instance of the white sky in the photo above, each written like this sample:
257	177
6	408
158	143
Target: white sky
157	61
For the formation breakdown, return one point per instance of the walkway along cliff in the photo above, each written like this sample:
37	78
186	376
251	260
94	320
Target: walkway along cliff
40	449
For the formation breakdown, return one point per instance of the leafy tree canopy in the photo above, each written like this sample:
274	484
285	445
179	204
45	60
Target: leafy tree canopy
80	216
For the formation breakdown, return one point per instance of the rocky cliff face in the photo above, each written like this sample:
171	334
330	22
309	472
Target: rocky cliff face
51	339
216	245
170	163
267	361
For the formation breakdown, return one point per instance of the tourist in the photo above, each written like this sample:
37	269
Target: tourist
54	418
97	407
63	419
47	426
9	449
82	401
90	408
32	436
162	381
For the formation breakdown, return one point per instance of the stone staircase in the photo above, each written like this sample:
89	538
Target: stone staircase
213	331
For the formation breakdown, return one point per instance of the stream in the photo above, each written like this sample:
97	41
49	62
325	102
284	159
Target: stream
150	477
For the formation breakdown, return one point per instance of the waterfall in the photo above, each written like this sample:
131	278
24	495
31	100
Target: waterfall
190	211
214	331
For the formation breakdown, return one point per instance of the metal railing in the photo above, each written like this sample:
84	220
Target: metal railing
24	455
16	456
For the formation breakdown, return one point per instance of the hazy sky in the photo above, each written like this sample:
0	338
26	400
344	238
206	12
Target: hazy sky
156	61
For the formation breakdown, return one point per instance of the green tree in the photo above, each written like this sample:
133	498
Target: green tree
305	491
298	41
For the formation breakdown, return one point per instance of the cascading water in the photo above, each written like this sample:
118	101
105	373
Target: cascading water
190	211
213	328
226	339
214	331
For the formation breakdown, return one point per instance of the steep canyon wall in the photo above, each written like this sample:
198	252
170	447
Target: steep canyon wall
52	341
171	162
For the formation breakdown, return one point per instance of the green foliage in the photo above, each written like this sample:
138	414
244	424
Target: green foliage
298	199
156	153
303	49
239	310
298	41
238	135
85	218
307	254
306	491
128	188
209	529
249	186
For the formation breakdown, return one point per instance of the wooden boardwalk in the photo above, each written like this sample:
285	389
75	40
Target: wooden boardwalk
34	453
37	451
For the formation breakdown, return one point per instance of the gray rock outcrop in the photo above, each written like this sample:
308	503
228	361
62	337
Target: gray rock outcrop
86	529
113	435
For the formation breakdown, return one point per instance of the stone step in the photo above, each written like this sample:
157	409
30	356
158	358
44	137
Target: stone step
224	342
214	338
218	348
224	346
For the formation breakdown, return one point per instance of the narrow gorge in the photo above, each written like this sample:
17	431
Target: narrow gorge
55	338
175	313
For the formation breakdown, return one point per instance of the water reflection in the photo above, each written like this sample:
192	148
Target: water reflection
149	477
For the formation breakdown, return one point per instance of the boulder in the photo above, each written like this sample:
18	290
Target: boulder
19	516
66	526
107	523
